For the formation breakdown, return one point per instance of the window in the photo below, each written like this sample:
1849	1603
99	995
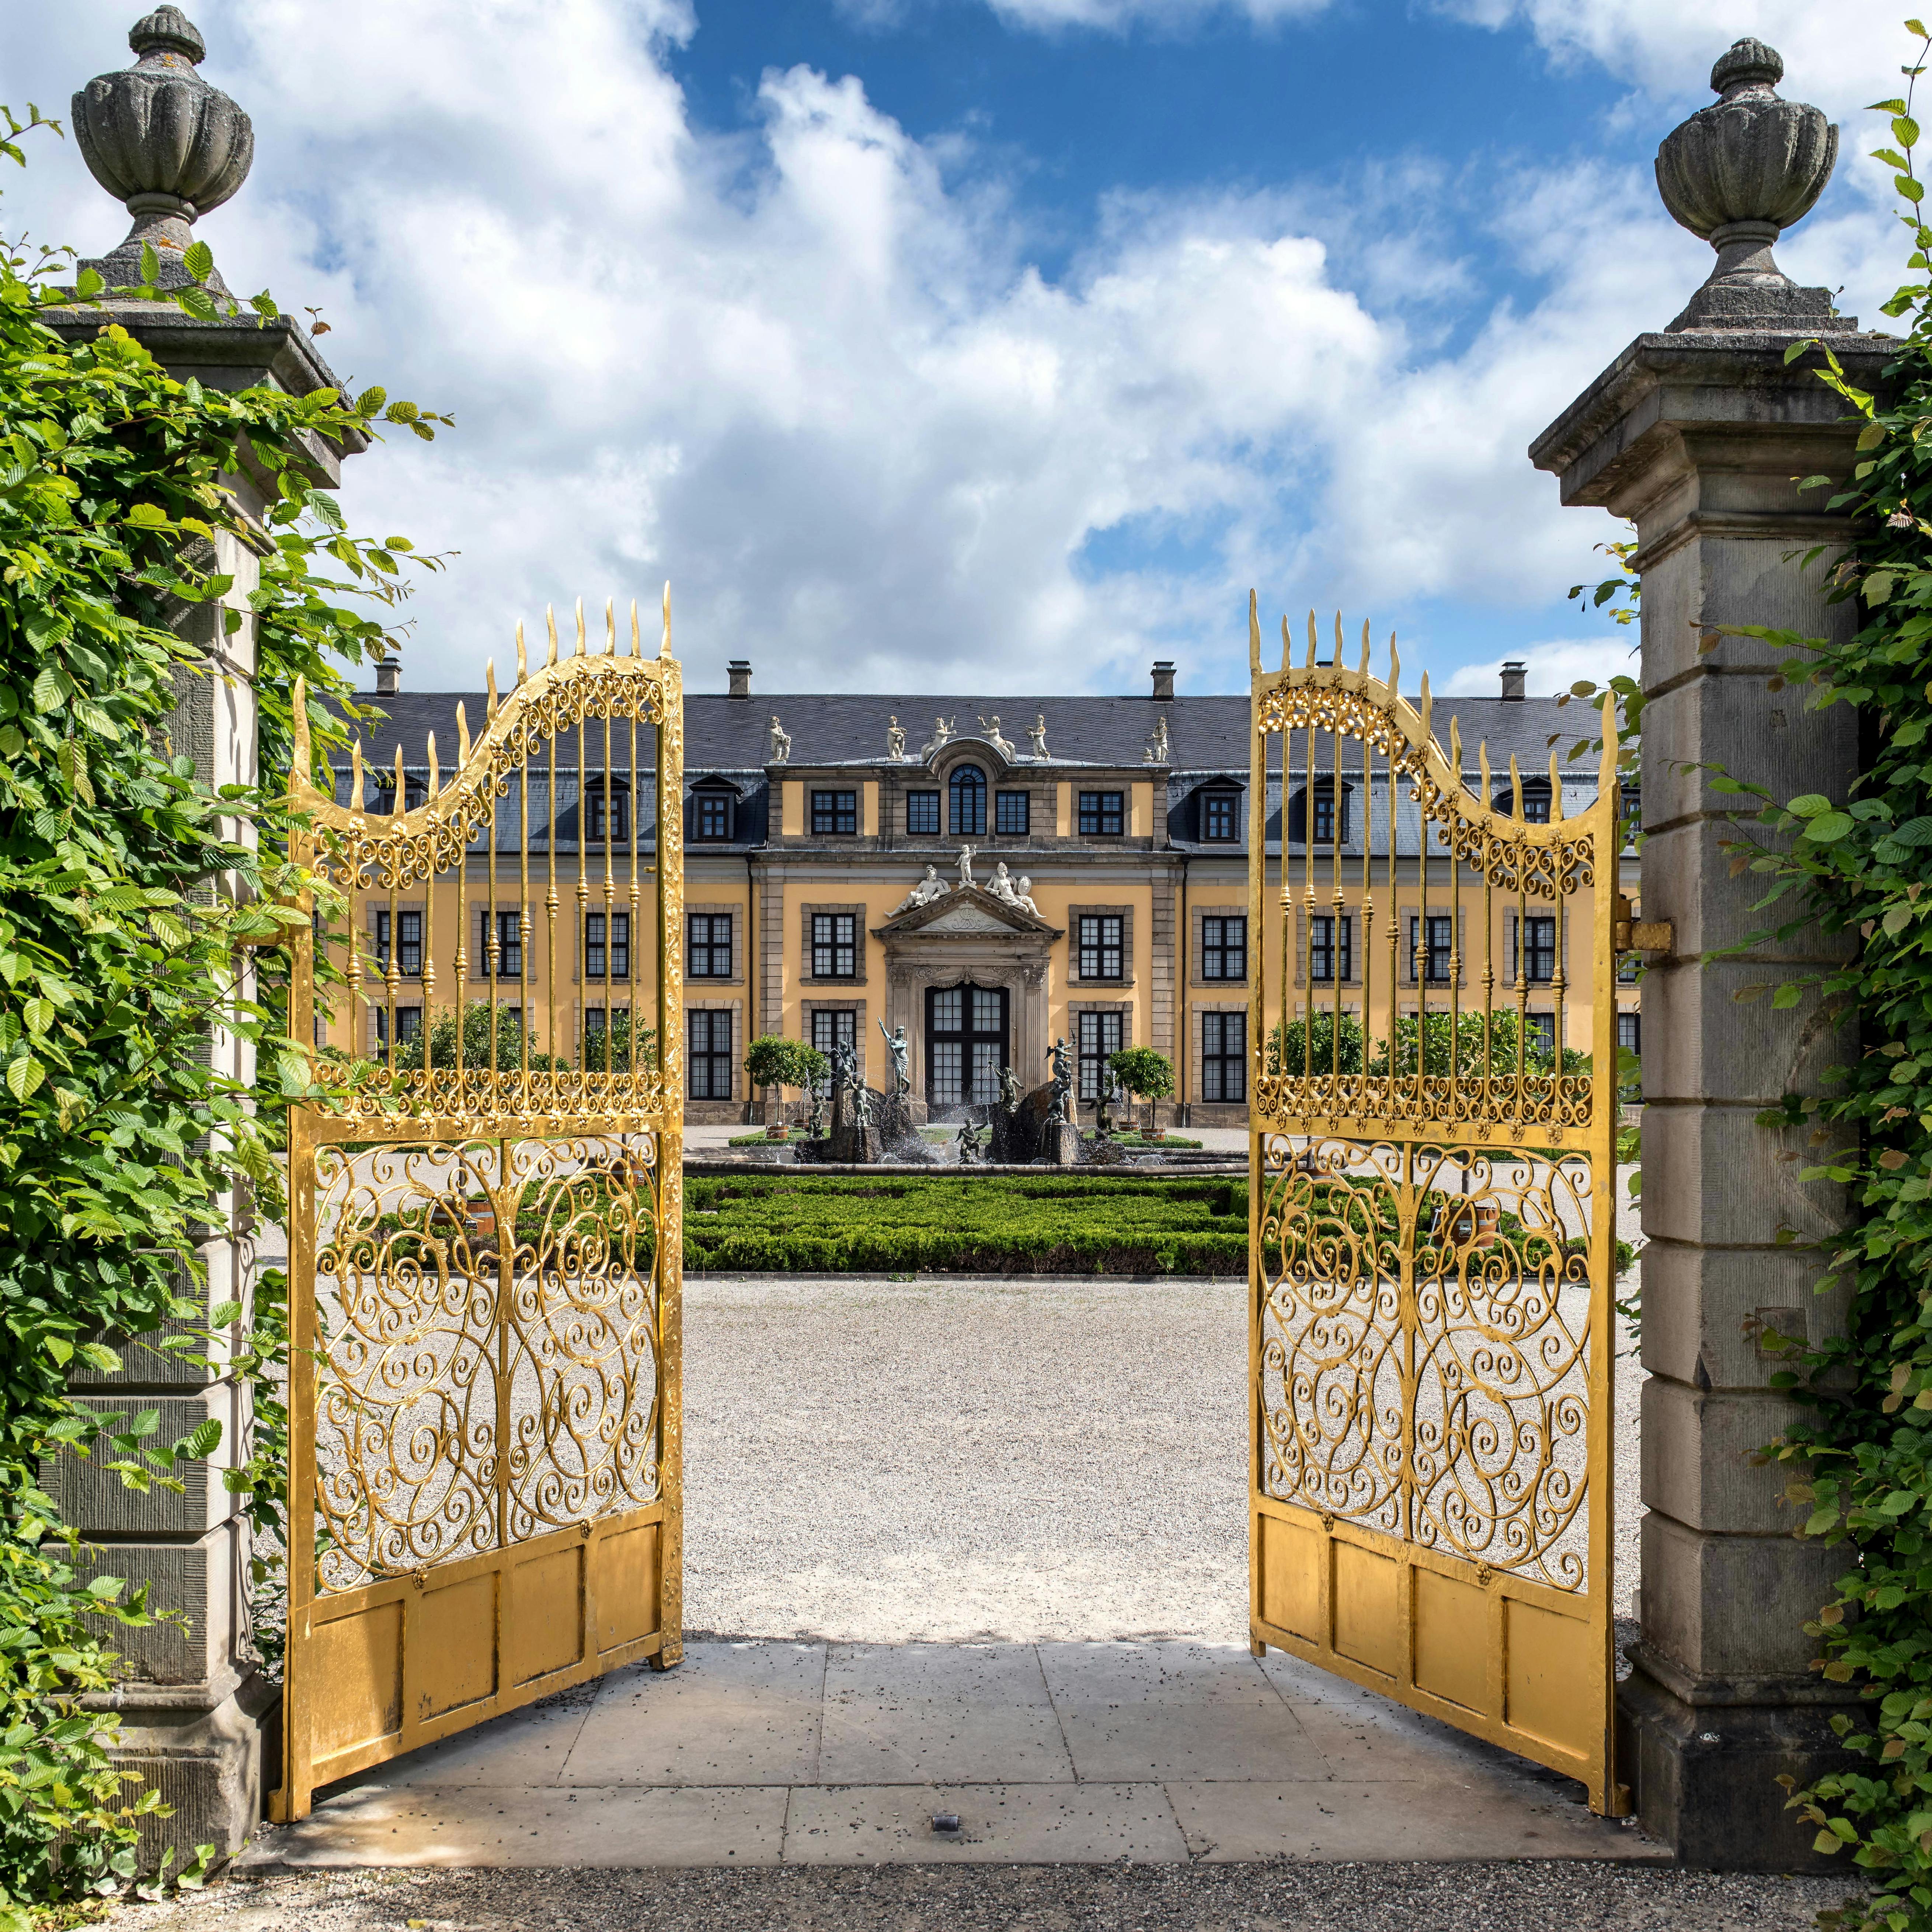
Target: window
1099	1036
619	949
509	947
1100	814
1325	817
1224	1056
966	1045
708	955
922	812
409	943
1331	954
409	1026
1100	946
1535	801
1630	1031
969	803
710	1034
1542	1037
835	814
1627	966
1312	814
834	946
1436	945
713	815
1012	814
1224	948
610	816
832	1030
1539	950
1220	816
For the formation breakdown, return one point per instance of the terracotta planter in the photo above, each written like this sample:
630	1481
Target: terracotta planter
779	1132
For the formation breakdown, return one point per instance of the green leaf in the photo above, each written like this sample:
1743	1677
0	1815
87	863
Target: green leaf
24	1074
199	258
87	282
1877	588
148	517
151	265
1833	826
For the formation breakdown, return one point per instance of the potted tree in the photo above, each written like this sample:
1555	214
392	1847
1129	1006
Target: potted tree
1148	1075
773	1060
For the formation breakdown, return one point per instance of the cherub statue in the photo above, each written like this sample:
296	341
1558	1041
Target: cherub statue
1062	1062
1023	895
895	739
942	737
972	1143
819	1095
966	853
1157	745
780	745
896	1045
1002	885
1010	1090
1036	738
1004	746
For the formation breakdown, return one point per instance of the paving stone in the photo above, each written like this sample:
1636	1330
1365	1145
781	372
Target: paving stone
1056	1824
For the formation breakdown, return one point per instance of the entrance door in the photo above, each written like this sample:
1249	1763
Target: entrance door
965	1048
1432	1188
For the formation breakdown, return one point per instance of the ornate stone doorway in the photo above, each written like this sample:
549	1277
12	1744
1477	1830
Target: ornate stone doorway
968	1039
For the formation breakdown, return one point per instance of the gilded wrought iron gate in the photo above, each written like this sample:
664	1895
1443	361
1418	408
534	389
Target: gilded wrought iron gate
1432	1195
484	1231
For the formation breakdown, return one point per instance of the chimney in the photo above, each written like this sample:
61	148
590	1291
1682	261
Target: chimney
1163	680
388	677
739	671
1514	673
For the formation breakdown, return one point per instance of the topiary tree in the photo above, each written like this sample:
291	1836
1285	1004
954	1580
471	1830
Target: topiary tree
773	1060
1145	1074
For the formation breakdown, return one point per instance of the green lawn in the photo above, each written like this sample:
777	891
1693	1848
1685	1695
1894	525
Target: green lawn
1000	1224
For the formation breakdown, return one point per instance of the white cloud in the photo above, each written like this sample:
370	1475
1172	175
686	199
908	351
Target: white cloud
1550	669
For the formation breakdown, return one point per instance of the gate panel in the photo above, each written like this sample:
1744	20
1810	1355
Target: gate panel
1432	1190
485	1235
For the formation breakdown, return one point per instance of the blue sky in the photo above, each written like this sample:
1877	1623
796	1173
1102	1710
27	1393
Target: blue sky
975	345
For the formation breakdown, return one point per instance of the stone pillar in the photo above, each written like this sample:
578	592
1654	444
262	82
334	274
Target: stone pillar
1697	434
199	1712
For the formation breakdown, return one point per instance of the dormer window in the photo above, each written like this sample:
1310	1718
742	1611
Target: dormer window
1315	814
1220	817
711	814
1535	801
609	808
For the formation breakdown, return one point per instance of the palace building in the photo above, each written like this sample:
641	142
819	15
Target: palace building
992	874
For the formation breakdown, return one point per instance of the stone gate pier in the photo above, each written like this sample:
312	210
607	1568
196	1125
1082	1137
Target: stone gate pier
1698	434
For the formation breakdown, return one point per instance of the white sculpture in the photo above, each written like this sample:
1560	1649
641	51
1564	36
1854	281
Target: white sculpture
1023	896
932	887
1157	751
966	865
942	737
895	739
781	748
1036	738
1002	885
1006	748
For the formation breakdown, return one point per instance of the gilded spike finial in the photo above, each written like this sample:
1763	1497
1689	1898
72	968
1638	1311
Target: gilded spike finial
1556	792
435	779
304	758
1427	703
579	627
523	656
1287	646
637	635
1254	635
355	776
490	683
1338	641
664	649
1606	773
396	798
1364	666
1482	766
550	620
462	736
1308	662
1456	748
1516	790
1395	667
610	626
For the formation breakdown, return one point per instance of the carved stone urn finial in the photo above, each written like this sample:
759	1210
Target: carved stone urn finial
159	137
1738	173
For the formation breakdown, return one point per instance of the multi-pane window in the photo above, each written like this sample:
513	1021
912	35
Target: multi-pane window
835	814
832	1030
1101	815
922	812
1630	1032
1224	1056
1100	946
968	789
834	946
1428	950
1323	802
616	956
1539	950
1220	816
708	954
509	947
1331	947
409	942
1541	1039
409	1025
1012	813
610	815
1536	804
966	1045
714	814
1099	1037
1224	947
709	1056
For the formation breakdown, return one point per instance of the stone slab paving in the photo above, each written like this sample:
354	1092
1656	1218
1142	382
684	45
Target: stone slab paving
755	1753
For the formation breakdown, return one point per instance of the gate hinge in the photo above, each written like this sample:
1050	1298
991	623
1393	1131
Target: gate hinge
1641	935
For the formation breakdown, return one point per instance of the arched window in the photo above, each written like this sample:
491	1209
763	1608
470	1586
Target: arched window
969	803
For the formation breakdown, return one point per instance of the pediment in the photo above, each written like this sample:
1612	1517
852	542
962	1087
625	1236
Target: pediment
965	911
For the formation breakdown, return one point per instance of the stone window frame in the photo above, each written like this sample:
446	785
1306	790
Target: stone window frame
378	1012
1075	1008
1213	793
808	1007
937	795
1125	914
715	793
1459	943
736	1008
1002	790
859	913
1351	911
1506	978
1197	1057
728	909
633	960
379	903
855	792
1122	789
475	939
1197	942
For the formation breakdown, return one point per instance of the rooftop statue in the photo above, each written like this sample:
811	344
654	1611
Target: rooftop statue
942	737
1006	748
895	739
932	887
1036	738
1158	747
780	745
